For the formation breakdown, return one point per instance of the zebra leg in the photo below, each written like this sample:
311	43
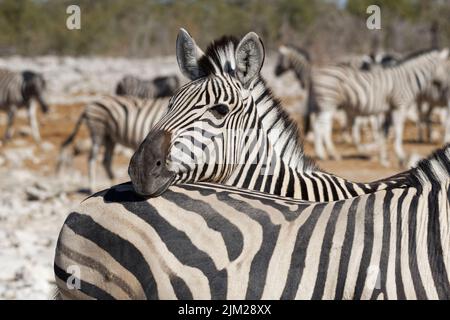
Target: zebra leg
33	122
318	137
447	124
92	158
420	120
328	135
428	124
398	122
380	137
107	159
9	125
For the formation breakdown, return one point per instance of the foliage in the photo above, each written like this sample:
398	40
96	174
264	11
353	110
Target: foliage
149	27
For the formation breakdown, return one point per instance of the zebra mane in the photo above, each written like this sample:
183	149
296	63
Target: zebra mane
219	56
275	119
300	51
414	55
434	169
219	59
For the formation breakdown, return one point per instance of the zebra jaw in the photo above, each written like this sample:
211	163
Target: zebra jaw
147	170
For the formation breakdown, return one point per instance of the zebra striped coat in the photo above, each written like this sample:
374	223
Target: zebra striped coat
114	120
17	90
363	93
209	241
159	87
382	90
226	127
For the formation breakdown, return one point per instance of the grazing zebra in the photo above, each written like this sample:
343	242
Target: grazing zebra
162	86
382	90
226	127
112	120
208	241
363	93
436	95
297	60
18	89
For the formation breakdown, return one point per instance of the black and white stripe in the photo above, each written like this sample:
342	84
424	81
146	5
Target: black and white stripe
225	129
209	241
387	90
17	90
114	120
159	87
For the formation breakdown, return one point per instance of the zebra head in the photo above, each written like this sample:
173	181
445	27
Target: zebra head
293	58
204	132
33	87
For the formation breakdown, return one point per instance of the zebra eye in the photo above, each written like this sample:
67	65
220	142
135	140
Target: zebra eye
219	110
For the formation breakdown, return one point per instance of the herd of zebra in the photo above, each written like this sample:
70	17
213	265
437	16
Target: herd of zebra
223	203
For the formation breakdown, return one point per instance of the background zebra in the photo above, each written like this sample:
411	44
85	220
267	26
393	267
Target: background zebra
112	120
214	242
385	90
162	86
298	60
17	90
226	127
436	95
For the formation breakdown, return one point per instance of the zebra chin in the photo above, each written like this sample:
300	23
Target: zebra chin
155	188
147	170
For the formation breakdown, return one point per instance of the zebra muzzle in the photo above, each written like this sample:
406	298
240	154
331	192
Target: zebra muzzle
147	170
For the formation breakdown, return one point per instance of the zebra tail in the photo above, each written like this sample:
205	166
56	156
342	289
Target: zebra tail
64	157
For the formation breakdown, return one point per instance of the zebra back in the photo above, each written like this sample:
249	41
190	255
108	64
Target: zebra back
208	241
126	120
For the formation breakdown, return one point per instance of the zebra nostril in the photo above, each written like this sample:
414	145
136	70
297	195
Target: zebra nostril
158	163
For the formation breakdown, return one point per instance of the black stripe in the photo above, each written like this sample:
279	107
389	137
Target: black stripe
232	236
182	247
326	250
332	187
385	248
120	249
85	287
299	253
346	249
180	288
435	252
412	248
398	274
368	246
324	188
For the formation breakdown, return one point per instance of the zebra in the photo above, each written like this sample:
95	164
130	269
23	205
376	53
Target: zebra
207	241
383	90
378	91
112	120
298	60
437	94
162	86
225	126
17	90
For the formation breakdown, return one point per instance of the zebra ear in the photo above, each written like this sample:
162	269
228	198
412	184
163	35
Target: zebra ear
188	54
249	58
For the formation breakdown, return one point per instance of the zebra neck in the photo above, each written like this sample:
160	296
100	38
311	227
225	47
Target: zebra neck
418	72
300	67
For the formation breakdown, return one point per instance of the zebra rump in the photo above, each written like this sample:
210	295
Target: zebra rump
208	241
162	86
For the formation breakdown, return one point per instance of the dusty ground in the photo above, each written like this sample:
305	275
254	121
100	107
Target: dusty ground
34	201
